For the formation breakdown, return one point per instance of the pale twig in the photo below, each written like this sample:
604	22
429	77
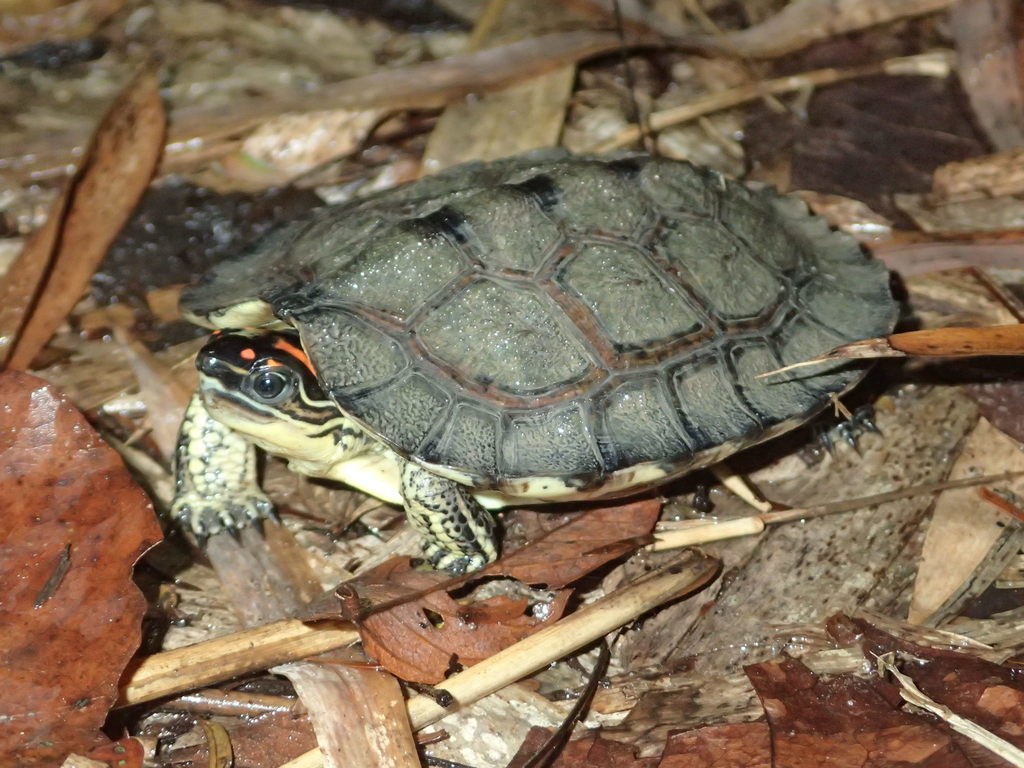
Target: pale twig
552	643
202	664
933	64
703	533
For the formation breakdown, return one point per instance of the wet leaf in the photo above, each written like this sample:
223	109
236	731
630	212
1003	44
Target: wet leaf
600	753
591	751
744	745
51	275
73	526
271	739
845	719
986	693
125	753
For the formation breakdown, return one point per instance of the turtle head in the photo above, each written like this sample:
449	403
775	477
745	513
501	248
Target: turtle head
262	385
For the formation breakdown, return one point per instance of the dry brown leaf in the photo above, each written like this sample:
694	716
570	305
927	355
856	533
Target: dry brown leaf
584	543
964	528
74	524
526	116
803	22
292	144
980	177
422	630
99	200
199	134
427	634
1002	403
22	282
987	41
33	21
911	253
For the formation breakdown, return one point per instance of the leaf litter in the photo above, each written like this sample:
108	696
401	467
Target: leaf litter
679	667
74	525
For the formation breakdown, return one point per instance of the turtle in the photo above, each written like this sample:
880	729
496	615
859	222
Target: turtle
538	329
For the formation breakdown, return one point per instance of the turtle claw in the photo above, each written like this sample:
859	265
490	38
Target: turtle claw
864	419
849	432
205	517
454	563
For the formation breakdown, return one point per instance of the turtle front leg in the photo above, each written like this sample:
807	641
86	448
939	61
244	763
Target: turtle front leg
215	473
458	533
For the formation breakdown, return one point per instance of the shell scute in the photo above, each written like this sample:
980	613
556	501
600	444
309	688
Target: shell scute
712	410
633	301
510	230
506	337
642	422
730	281
598	197
551	441
410	410
470	439
398	270
350	353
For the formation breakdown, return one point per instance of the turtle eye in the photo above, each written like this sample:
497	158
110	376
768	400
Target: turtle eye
270	385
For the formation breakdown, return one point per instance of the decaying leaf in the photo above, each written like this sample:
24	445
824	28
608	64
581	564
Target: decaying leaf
25	23
986	693
292	144
1002	403
980	177
581	545
426	634
337	695
803	22
987	40
744	745
50	277
74	524
593	751
844	718
969	541
413	627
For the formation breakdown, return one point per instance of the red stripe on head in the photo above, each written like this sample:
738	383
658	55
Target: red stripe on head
295	351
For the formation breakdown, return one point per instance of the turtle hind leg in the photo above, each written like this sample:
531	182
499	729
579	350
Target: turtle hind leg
458	533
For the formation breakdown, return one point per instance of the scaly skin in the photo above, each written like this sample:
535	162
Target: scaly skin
458	533
227	419
215	472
